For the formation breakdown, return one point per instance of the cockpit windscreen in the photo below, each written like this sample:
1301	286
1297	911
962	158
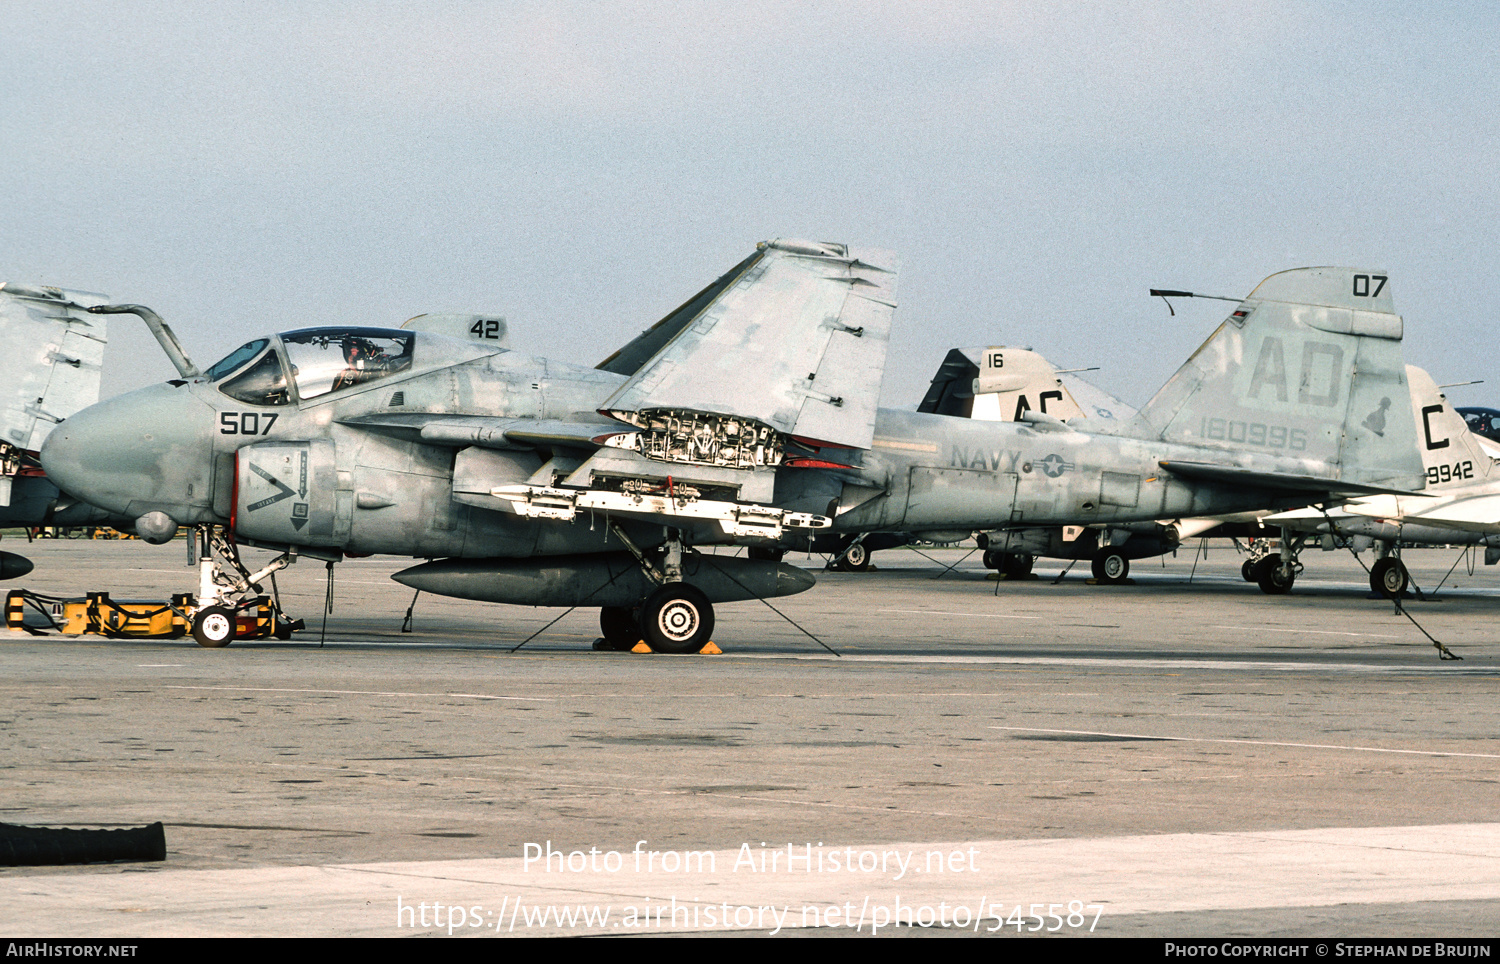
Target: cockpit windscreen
232	361
328	360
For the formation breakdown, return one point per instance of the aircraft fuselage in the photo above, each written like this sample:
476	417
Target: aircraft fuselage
358	470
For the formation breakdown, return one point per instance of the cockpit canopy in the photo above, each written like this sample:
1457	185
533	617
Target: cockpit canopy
320	361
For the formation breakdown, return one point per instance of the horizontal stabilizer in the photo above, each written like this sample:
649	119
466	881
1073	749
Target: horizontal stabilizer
1310	485
796	342
1479	513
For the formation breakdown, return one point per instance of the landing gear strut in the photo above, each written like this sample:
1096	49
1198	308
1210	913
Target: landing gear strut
674	618
226	586
854	558
1276	572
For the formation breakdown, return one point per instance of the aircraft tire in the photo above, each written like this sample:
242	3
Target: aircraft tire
1017	565
677	619
1110	568
1388	577
993	559
621	628
856	559
214	627
1247	570
1270	578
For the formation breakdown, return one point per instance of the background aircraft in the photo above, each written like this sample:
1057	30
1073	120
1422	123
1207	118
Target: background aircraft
1004	384
1463	479
993	384
748	412
1460	504
1484	422
52	351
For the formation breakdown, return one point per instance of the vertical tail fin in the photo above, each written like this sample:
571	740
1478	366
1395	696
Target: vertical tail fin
1308	367
1451	454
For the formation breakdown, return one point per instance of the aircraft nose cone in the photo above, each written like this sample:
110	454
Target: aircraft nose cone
146	451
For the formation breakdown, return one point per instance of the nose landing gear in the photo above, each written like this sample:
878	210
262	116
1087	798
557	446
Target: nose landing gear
230	605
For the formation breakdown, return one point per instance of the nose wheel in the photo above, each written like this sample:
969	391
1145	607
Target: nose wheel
226	587
214	626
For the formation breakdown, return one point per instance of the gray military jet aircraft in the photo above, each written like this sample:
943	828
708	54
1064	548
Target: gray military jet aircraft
1002	383
53	351
1460	505
748	412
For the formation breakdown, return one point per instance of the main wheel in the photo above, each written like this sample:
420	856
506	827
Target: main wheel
1247	569
856	559
677	619
621	628
1017	565
993	559
214	626
1110	567
1388	577
1273	579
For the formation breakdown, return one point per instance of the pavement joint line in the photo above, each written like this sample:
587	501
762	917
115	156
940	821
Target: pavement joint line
1134	662
1315	632
939	612
1205	739
285	689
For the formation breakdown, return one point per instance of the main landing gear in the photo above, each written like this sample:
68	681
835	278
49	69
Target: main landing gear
1109	567
1011	565
854	558
1388	577
674	618
1274	570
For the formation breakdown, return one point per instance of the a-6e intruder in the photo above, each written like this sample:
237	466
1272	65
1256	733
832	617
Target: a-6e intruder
747	414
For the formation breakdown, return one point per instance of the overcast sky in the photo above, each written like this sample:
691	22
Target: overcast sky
582	168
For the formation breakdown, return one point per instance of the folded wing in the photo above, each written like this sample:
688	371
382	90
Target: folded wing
794	343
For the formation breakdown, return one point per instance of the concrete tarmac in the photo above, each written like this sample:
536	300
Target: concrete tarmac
1183	756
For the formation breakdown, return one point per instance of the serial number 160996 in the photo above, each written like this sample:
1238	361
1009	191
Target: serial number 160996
1254	433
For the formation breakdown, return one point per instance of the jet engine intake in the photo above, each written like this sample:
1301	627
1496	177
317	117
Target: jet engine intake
285	492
